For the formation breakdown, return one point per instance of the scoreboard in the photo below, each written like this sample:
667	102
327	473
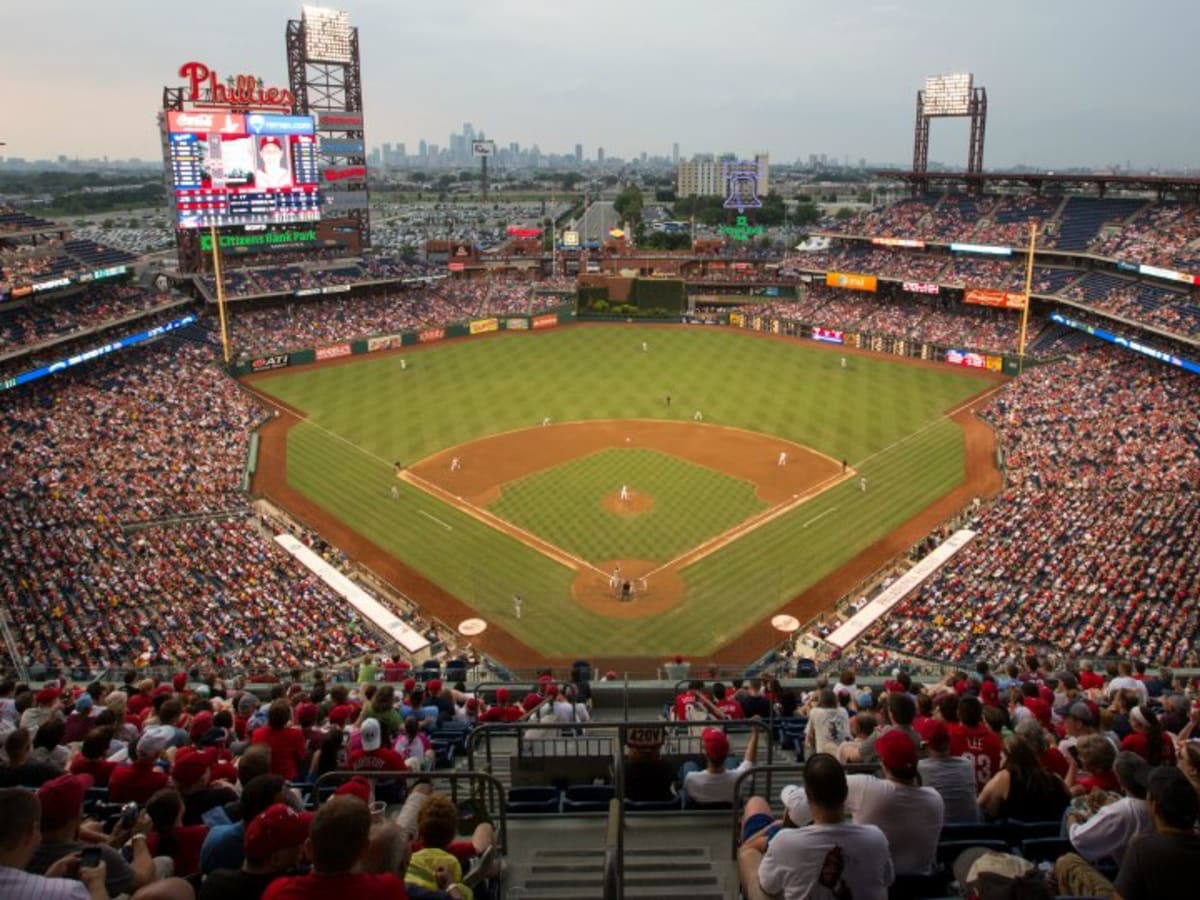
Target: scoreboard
243	168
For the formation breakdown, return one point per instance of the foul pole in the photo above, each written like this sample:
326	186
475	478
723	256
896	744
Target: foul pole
1028	288
216	255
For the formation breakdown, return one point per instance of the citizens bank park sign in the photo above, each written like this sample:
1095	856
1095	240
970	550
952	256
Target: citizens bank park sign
205	88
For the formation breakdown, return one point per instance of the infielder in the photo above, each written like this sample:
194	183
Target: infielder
782	461
843	362
517	605
698	417
455	465
624	493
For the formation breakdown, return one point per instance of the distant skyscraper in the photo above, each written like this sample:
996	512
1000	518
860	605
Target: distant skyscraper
579	153
401	151
600	155
423	149
675	153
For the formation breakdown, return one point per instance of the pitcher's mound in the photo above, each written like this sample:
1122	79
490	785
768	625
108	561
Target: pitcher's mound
636	504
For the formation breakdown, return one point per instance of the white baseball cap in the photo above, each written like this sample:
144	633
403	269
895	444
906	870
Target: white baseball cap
370	734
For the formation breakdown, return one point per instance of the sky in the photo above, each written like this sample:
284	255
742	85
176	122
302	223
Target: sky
1071	83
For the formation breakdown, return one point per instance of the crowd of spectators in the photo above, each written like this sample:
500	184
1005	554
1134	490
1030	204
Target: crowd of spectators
1166	234
302	274
60	317
1174	311
314	321
1089	547
156	434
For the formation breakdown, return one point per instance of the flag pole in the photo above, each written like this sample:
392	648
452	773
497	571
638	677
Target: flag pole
1028	288
216	256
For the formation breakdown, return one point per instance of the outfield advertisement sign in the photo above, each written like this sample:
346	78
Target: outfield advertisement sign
920	287
333	351
429	335
516	324
737	320
384	342
266	363
851	281
482	326
1129	344
898	242
997	299
547	321
966	358
828	335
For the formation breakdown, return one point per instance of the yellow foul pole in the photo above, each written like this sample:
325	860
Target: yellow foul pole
216	258
1028	289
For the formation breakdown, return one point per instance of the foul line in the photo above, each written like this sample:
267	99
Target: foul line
819	516
435	519
547	549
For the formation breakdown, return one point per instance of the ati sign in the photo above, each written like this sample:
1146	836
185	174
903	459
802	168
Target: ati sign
242	91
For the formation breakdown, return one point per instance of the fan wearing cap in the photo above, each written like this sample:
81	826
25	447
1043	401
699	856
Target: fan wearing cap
338	841
503	710
1147	739
81	720
274	846
953	777
909	815
139	780
1081	719
829	857
45	707
375	756
191	773
223	846
62	812
714	783
899	712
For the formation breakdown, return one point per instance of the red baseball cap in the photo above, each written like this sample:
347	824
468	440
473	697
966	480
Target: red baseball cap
339	714
306	714
356	787
501	695
46	696
190	765
1040	709
989	694
934	732
896	750
279	827
716	744
201	722
179	682
434	686
62	799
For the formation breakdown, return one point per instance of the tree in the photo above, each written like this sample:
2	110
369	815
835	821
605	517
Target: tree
571	179
629	204
806	214
843	214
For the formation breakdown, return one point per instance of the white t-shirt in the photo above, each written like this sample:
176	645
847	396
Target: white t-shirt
1106	834
910	817
810	863
707	787
827	729
954	778
1126	683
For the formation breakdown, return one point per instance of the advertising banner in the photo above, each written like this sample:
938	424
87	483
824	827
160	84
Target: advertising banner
999	299
986	249
995	363
851	281
1169	274
457	266
516	324
482	326
347	174
897	242
384	342
342	146
546	321
429	335
963	358
333	351
828	335
266	363
920	287
737	320
340	121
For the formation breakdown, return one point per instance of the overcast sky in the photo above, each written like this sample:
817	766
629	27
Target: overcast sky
1070	82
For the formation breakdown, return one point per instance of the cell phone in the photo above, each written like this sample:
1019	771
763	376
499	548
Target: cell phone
129	814
89	858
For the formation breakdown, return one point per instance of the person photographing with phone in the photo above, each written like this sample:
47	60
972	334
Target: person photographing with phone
75	876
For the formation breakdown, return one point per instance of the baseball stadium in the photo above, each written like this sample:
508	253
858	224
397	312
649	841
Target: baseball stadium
574	524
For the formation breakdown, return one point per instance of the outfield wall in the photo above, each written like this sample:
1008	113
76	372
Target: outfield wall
398	340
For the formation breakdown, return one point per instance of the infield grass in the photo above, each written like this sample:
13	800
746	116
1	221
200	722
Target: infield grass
885	417
691	503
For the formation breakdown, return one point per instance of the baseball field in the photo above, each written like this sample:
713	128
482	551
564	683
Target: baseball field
724	476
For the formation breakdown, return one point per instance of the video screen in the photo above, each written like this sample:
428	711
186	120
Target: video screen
243	168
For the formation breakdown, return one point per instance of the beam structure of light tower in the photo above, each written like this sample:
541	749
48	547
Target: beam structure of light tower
484	150
325	77
945	97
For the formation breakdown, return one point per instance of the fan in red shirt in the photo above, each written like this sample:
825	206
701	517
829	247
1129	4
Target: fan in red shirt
374	757
686	700
970	737
91	758
287	744
339	840
137	782
503	710
169	836
727	706
1148	740
1088	679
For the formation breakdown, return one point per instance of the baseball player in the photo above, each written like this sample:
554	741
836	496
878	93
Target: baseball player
698	417
455	464
624	493
782	461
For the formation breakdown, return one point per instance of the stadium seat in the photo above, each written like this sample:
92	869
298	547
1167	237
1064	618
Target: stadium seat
1044	849
653	805
530	800
948	851
587	798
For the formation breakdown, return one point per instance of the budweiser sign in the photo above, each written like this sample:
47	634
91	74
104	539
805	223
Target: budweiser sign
237	90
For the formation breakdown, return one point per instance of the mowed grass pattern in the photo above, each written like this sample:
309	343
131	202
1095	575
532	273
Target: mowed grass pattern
885	417
691	503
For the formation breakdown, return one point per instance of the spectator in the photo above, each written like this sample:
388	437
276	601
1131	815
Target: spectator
287	744
20	835
1104	836
971	738
274	846
828	724
168	836
21	769
714	783
951	776
844	858
223	845
1147	739
337	842
1023	789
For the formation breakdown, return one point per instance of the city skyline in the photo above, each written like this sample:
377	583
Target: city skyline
1066	88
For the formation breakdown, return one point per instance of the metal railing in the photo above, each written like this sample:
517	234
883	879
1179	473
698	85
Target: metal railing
614	852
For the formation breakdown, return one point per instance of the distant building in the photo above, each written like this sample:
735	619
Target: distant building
579	153
705	177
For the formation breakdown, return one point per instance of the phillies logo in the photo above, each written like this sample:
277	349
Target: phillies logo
236	90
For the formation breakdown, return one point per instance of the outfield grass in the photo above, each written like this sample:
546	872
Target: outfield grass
691	503
883	416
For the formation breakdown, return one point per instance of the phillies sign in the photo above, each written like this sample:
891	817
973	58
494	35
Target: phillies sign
237	90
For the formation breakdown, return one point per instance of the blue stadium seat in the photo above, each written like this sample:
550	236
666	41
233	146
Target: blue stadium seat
587	798
532	800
